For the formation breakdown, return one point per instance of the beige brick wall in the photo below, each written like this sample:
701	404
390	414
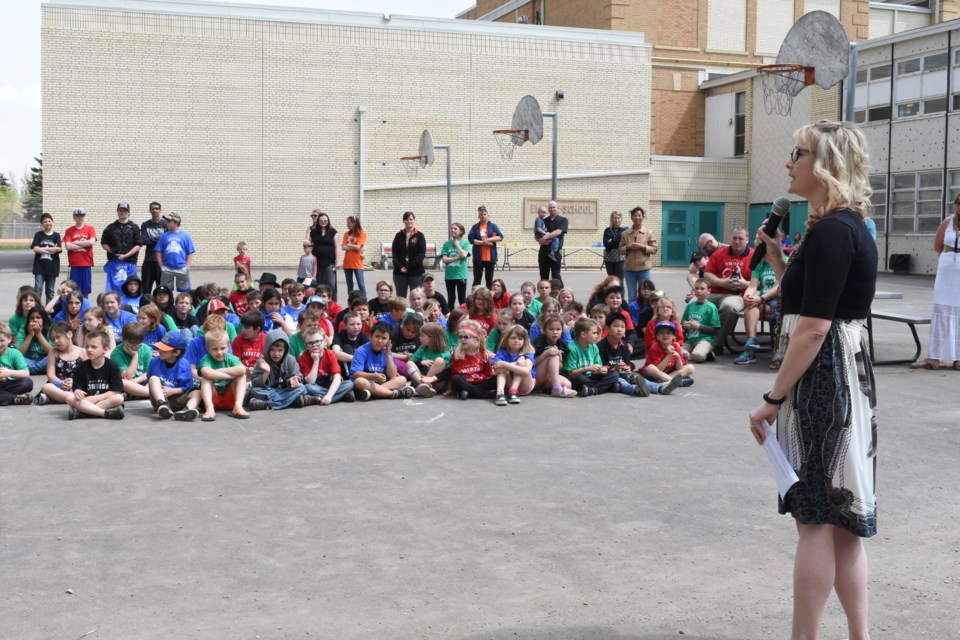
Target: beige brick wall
244	126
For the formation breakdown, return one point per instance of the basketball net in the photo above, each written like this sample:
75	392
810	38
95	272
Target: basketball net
508	140
412	164
780	84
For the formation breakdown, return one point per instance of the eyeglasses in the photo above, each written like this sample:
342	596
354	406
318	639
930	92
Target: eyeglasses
314	217
314	343
797	152
467	336
383	291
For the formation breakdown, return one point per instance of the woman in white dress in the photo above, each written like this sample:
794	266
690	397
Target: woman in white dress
945	320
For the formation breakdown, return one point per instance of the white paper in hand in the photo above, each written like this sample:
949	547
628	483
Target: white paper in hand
779	465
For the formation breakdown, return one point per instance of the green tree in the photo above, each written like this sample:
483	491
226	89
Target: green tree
4	183
33	192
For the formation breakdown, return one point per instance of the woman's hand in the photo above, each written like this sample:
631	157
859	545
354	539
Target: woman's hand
765	411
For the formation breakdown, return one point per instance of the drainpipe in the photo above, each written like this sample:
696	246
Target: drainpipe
361	117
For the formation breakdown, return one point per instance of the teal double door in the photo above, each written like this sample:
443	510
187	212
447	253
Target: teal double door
683	222
794	221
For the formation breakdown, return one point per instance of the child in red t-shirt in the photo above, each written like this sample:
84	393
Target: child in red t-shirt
248	346
472	373
321	371
242	261
238	297
665	357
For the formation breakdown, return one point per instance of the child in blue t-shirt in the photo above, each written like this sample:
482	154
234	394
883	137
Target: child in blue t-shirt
514	360
170	381
374	371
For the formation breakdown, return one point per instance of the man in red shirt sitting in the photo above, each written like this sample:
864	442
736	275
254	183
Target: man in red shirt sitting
728	274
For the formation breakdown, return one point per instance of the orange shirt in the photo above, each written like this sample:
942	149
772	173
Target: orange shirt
485	249
353	259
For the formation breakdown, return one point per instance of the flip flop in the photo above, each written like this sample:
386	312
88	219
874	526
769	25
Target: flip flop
208	418
924	364
237	416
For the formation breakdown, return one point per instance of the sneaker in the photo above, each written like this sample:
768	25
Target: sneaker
426	391
299	402
310	401
187	415
569	393
711	357
258	405
164	411
462	394
72	413
351	396
404	393
501	400
747	357
751	344
114	413
557	391
513	398
686	381
669	387
23	398
717	350
640	390
362	395
41	399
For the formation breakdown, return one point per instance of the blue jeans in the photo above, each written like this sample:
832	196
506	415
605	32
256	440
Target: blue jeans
37	366
346	386
45	284
632	284
631	390
348	274
278	398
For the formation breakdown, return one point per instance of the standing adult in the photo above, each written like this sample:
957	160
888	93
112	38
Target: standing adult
728	274
78	240
638	245
945	319
556	226
121	241
353	242
46	248
454	256
409	250
613	258
824	397
484	236
150	232
326	249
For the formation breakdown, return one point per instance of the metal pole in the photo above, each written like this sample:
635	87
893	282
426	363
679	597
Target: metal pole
446	148
361	117
553	184
851	84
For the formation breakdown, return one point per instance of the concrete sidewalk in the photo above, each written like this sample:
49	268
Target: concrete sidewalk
609	518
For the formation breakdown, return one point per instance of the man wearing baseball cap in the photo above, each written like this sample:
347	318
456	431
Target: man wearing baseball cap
78	241
121	241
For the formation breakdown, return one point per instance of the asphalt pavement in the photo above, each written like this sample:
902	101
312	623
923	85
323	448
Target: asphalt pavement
609	518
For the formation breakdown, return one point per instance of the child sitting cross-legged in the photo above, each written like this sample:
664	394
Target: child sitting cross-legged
514	362
583	365
505	320
347	341
248	345
321	371
223	378
470	367
374	371
665	357
277	381
63	361
405	339
97	385
133	357
521	316
308	319
550	351
15	382
429	367
701	321
615	355
170	380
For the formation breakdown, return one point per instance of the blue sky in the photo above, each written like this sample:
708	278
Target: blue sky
20	106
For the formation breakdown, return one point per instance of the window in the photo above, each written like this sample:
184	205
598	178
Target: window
906	67
740	123
879	201
860	116
926	106
861	76
878	113
934	105
935	62
953	190
872	74
907	109
917	202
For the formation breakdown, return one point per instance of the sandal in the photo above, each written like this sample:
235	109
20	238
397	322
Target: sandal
775	364
925	364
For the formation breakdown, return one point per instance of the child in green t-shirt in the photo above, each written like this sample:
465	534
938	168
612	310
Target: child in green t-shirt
583	365
700	323
15	382
429	366
133	357
223	378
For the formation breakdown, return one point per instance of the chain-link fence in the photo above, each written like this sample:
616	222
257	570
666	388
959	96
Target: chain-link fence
18	230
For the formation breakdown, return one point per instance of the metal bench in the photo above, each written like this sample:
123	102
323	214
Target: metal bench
386	255
893	316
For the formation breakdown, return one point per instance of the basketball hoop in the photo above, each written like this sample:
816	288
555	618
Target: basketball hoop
412	164
509	139
781	83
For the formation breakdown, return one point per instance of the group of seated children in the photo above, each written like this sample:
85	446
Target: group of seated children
292	346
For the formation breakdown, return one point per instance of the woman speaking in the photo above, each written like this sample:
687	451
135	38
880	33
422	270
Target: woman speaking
823	397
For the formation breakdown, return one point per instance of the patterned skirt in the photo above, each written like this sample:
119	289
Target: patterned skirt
828	430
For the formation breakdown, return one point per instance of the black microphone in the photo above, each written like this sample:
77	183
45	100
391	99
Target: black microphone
780	208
